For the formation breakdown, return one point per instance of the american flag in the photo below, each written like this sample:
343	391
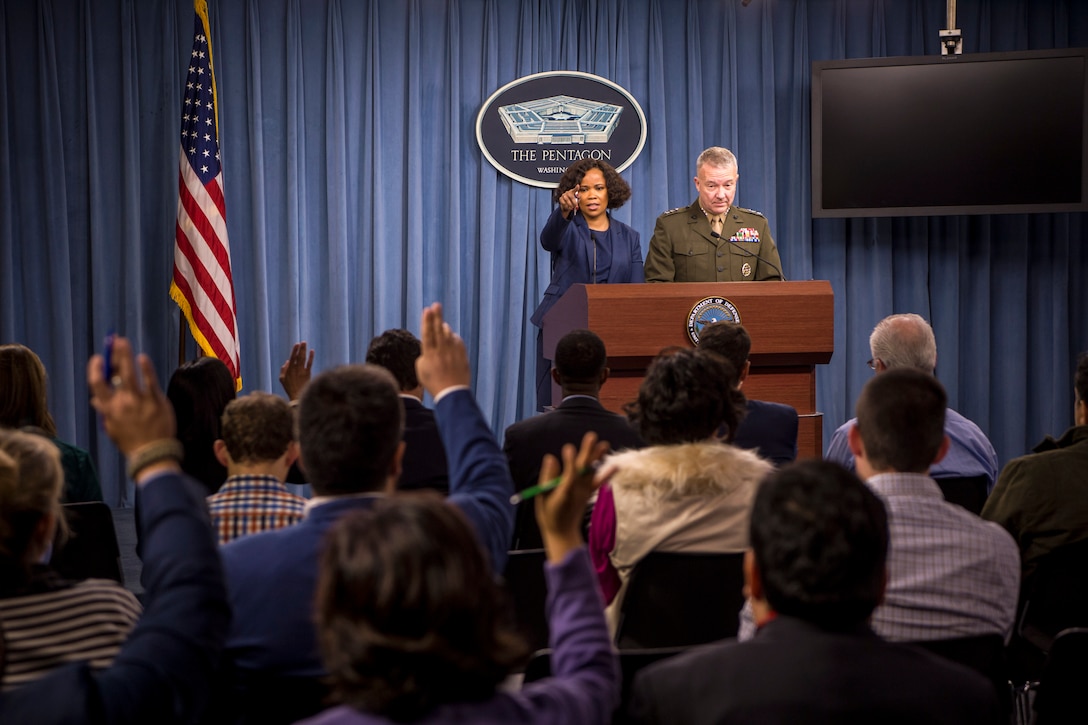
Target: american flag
202	284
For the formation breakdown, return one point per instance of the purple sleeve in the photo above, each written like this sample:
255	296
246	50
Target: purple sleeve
602	540
585	685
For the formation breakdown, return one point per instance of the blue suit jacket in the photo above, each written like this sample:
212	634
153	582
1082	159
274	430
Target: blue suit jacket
770	429
163	672
272	576
572	257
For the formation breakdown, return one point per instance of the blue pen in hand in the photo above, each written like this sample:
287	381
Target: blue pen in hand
107	357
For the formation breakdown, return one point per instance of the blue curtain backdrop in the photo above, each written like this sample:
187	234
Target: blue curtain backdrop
356	193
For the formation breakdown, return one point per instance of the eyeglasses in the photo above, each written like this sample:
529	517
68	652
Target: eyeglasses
871	362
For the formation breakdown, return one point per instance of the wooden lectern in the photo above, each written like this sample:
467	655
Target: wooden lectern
791	325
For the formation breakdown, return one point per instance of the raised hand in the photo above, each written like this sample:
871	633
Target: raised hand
295	373
444	362
559	512
134	412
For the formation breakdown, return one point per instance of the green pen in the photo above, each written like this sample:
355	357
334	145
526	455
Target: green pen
546	486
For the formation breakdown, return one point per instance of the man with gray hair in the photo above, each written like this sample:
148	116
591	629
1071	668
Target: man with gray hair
907	341
713	240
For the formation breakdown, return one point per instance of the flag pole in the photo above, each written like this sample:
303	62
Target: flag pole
181	338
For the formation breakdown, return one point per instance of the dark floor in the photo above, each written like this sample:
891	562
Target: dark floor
124	521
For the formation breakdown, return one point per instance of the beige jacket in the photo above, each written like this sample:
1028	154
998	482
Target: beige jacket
693	497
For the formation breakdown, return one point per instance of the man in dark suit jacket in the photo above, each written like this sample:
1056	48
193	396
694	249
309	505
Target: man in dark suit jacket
424	464
581	368
349	422
769	428
814	574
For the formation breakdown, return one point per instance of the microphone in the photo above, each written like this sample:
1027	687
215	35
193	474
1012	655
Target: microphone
740	246
593	238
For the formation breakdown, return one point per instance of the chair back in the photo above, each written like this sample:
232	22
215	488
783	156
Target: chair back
257	698
983	653
91	551
1055	596
1060	696
681	599
631	662
969	491
526	530
524	582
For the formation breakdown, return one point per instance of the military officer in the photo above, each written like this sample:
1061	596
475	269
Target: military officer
712	240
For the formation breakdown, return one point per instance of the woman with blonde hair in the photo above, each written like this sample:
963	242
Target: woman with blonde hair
48	621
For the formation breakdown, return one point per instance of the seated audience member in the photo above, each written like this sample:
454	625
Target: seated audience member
768	428
687	492
199	391
350	421
163	671
814	573
907	341
581	368
410	617
950	574
258	448
1042	498
424	463
23	404
48	621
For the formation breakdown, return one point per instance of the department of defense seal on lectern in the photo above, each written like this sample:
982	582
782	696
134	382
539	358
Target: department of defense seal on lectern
707	311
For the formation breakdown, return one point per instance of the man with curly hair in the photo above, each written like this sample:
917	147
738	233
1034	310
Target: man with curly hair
258	447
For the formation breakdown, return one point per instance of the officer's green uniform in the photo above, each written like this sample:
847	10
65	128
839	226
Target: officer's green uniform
683	250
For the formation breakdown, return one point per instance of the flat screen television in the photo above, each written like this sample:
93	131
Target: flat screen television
970	134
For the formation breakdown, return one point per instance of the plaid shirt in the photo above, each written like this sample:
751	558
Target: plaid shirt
950	574
249	504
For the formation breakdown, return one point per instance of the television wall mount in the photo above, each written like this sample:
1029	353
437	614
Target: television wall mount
951	38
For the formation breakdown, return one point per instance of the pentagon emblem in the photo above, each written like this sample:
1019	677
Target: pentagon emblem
707	311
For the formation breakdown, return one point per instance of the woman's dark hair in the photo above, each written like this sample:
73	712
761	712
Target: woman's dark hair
409	615
23	390
199	391
687	396
618	190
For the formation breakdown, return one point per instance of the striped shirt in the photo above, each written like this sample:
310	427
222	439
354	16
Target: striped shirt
82	622
248	504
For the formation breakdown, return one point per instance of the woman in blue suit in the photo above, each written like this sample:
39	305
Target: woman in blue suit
587	245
